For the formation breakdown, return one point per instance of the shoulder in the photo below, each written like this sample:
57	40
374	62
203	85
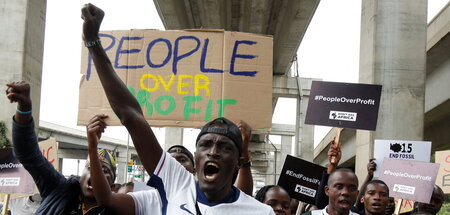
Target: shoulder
251	203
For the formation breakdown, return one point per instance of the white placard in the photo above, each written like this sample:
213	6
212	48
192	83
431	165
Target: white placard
401	149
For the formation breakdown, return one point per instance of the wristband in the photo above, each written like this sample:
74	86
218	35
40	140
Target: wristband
93	43
247	164
23	112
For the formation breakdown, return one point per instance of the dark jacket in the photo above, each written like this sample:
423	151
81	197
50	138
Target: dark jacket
59	195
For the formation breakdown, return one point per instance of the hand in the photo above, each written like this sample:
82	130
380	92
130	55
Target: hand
19	91
246	131
95	127
371	166
92	17
334	151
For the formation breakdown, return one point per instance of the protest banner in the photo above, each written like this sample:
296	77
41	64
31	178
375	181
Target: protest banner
185	78
14	178
301	179
49	149
443	177
343	105
410	180
401	149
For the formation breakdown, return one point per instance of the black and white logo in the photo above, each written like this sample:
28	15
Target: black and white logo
340	115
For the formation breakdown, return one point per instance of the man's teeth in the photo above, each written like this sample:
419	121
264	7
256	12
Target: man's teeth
209	177
213	164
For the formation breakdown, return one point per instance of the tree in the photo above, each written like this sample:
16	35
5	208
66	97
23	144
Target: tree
4	141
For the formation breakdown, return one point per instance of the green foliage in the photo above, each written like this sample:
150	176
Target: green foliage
445	209
4	141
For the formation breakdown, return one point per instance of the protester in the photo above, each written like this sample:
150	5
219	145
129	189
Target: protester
217	158
342	190
183	156
334	151
276	197
375	198
437	199
59	195
244	180
371	168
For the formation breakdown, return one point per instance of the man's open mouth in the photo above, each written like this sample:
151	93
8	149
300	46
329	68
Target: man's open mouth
211	171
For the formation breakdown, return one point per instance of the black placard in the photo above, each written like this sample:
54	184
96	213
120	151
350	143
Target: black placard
301	179
343	105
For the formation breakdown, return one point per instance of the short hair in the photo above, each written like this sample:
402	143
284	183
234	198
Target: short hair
341	170
375	181
261	194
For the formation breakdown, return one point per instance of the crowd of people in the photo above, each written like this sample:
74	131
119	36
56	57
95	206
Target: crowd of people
216	179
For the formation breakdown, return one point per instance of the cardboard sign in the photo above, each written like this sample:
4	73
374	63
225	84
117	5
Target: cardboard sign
301	179
407	205
410	180
401	149
14	178
49	149
185	78
443	177
343	105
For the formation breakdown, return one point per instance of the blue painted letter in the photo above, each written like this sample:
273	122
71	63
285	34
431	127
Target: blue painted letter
120	51
236	55
177	58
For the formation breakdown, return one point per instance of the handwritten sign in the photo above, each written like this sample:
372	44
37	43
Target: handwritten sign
185	78
49	149
407	179
401	149
343	105
443	177
14	178
301	179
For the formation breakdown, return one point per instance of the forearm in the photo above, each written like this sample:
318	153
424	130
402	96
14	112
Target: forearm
245	180
122	102
126	107
27	152
102	191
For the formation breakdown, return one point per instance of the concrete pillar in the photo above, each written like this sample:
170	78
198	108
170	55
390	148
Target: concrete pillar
286	148
304	138
174	136
393	54
21	50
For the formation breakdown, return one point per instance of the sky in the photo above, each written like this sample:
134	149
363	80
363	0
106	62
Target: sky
329	51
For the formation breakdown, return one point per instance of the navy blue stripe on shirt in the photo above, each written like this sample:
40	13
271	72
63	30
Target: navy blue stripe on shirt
156	182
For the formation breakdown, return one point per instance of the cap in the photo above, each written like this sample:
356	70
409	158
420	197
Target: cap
181	149
224	127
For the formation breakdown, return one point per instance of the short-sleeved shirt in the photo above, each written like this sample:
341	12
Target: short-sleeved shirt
177	192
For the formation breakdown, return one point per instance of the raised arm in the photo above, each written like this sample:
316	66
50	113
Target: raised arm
25	143
371	168
245	180
334	156
120	203
121	100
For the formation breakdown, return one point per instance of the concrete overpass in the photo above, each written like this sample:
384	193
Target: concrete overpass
437	96
287	22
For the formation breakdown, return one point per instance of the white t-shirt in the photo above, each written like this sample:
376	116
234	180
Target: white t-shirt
177	191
